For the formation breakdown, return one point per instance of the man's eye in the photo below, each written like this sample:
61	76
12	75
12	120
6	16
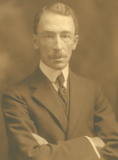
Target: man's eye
66	36
48	36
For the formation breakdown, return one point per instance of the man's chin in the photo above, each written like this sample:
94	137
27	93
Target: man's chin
59	66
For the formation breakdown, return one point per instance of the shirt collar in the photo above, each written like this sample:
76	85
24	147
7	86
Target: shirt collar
51	73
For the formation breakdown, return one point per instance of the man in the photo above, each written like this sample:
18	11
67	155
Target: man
54	114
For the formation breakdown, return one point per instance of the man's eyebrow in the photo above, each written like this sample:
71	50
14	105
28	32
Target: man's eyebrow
68	32
45	32
52	32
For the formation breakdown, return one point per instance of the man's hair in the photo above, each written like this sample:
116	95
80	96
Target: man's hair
58	8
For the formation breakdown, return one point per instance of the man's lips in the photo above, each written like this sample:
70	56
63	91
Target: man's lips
57	56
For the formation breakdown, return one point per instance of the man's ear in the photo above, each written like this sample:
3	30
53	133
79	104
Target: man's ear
76	39
35	42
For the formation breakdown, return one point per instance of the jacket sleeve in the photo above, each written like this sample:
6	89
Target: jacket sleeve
19	126
106	126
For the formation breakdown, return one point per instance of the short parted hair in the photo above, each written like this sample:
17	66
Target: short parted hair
58	8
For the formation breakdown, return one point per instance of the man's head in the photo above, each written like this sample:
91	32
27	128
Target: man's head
56	34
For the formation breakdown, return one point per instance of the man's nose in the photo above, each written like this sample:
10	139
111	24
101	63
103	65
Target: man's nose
57	45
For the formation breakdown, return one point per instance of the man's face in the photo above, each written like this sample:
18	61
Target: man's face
55	39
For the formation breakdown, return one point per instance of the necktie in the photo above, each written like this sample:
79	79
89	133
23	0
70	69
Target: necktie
62	89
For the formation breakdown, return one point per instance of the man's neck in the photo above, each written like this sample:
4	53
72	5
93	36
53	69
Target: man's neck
51	73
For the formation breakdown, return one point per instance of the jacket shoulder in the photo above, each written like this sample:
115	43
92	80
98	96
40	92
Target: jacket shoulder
84	81
20	87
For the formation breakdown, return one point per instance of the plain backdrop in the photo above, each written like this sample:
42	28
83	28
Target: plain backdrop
96	56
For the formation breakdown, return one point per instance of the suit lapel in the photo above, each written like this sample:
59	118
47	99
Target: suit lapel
77	96
46	95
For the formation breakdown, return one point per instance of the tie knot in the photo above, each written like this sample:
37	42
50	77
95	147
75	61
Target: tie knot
60	79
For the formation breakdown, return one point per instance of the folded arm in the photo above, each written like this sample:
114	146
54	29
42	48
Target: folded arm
25	144
96	142
20	128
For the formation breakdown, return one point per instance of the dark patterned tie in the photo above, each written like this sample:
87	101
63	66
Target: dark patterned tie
62	89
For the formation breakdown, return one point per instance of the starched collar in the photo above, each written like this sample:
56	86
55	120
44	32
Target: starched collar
51	73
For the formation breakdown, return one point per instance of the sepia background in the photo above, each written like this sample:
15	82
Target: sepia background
96	56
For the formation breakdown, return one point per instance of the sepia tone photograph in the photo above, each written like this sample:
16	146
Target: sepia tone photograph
58	80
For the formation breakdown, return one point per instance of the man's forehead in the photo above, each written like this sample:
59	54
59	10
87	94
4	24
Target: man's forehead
51	13
50	16
50	21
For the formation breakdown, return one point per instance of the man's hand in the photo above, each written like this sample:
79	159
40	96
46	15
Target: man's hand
39	139
98	142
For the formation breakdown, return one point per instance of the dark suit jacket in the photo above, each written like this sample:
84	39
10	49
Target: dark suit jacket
33	106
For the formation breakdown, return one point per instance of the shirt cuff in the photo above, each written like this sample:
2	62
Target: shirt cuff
94	147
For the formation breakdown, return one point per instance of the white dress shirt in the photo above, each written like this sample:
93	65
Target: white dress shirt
52	74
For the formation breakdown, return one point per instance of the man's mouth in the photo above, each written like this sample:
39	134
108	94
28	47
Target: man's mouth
57	55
